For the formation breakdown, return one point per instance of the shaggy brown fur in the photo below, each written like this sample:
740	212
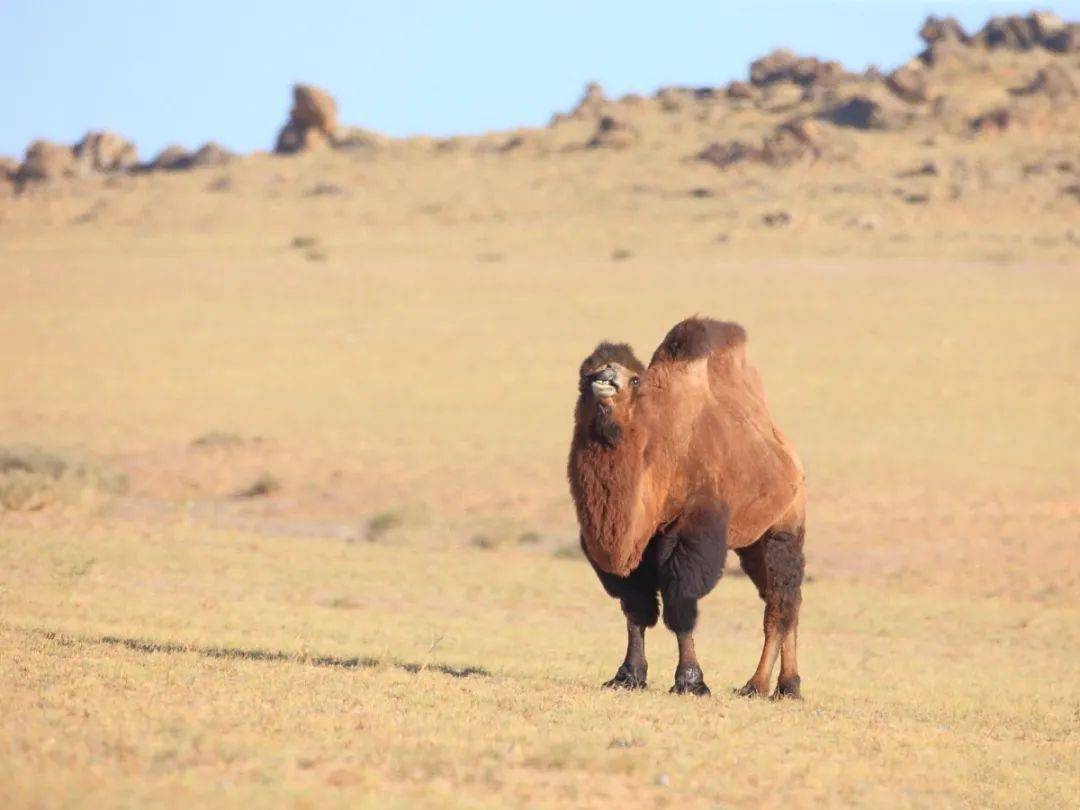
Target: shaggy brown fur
672	464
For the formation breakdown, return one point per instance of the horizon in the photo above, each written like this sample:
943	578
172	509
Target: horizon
424	69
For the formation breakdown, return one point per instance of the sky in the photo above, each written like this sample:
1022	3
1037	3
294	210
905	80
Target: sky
187	72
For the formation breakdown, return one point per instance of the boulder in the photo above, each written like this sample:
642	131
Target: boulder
313	107
947	52
673	99
211	154
998	119
46	160
592	104
742	91
1045	24
106	152
938	29
313	120
613	134
772	67
171	158
724	155
1054	82
909	83
1011	33
1067	40
863	111
297	138
783	65
357	138
795	141
781	97
9	168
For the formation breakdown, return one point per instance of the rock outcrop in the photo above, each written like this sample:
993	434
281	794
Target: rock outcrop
612	133
867	111
357	138
1038	29
106	152
1067	40
211	154
909	82
592	103
313	120
46	160
785	66
1053	82
9	167
943	29
797	141
172	158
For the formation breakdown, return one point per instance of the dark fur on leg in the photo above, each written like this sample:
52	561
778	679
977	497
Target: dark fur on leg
784	564
752	561
775	565
639	599
637	593
690	561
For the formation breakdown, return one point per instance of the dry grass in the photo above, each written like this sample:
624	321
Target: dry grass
186	667
32	478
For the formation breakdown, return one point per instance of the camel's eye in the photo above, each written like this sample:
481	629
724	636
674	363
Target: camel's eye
634	381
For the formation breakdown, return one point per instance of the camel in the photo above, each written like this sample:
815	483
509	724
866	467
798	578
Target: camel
672	465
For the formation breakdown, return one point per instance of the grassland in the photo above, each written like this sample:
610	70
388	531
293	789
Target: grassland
181	667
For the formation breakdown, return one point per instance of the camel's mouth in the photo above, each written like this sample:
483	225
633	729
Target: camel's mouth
605	383
604	390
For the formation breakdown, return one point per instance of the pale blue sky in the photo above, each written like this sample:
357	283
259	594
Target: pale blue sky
188	72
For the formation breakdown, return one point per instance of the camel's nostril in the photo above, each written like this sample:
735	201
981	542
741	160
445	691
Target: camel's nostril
606	375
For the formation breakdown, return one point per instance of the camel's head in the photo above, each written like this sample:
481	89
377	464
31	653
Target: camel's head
608	382
610	374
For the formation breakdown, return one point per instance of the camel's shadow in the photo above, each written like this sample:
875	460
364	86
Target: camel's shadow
239	653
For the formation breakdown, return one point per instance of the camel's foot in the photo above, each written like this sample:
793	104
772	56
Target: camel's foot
753	689
788	689
690	681
628	677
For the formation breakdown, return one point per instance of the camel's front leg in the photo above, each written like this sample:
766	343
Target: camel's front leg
637	595
688	677
634	671
691	560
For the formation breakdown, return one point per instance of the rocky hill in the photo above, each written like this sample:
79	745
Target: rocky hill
971	120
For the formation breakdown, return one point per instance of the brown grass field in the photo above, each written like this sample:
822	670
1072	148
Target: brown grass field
394	614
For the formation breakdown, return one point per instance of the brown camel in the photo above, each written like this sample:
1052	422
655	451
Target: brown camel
672	465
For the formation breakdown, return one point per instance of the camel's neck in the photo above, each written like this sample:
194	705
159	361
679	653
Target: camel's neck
607	480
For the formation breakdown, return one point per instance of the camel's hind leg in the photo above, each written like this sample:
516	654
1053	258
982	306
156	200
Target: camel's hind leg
775	564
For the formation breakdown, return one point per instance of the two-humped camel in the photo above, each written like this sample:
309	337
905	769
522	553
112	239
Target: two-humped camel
672	465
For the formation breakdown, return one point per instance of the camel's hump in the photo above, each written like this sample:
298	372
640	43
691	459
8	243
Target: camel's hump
695	338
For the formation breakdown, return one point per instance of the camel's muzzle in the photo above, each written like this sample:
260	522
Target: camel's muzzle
605	383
